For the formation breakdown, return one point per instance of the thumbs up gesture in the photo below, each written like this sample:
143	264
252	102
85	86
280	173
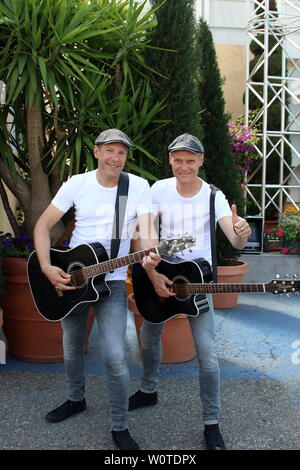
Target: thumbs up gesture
240	226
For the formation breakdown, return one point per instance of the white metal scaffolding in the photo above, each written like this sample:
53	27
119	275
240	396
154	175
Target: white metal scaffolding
273	30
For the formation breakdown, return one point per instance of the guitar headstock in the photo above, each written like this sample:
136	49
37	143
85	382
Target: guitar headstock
283	286
174	245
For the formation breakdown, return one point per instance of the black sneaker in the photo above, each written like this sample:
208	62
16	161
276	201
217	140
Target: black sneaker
213	437
65	410
124	441
140	399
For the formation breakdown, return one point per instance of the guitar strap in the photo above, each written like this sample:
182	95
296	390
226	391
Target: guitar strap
120	207
213	242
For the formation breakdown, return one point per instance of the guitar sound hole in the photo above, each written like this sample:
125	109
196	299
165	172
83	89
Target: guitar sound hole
180	287
77	278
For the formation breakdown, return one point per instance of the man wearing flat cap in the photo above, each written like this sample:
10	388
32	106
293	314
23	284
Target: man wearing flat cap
93	194
183	206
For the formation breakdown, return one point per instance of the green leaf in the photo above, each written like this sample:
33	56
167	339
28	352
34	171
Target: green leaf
43	69
32	83
78	71
137	169
21	84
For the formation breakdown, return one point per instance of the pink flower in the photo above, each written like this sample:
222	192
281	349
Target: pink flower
280	232
284	251
293	250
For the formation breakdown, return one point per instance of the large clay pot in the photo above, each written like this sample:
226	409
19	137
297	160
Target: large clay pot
30	337
177	340
229	274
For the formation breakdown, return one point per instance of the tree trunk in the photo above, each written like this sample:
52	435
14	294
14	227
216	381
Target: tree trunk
10	215
40	196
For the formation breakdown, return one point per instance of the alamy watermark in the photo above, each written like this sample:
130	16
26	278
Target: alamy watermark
295	356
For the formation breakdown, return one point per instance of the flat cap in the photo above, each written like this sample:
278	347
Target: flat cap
113	135
186	142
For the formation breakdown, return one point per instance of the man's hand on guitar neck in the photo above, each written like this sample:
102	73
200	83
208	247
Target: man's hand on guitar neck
151	261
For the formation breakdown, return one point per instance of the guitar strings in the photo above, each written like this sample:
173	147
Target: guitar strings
79	274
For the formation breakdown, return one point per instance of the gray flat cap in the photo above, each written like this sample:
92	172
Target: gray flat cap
114	135
186	142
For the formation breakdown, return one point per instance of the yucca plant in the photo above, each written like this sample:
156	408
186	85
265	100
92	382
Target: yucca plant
72	68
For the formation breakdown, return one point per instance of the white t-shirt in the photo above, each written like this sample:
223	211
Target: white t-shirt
95	207
187	215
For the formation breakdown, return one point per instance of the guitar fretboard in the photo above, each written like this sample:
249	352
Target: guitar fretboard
112	264
220	288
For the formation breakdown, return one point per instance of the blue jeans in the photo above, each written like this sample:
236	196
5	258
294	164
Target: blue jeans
202	328
111	317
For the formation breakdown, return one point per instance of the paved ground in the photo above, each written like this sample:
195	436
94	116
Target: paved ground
259	350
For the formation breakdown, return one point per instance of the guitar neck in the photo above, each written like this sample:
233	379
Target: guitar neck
112	264
221	288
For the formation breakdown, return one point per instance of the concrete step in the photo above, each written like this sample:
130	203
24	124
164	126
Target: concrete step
263	267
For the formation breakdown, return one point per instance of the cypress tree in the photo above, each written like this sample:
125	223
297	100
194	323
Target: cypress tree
219	164
176	84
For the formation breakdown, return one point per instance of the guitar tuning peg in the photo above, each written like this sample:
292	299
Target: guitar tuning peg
288	295
295	276
277	276
286	275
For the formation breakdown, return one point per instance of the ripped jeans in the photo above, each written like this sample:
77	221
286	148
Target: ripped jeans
111	317
202	328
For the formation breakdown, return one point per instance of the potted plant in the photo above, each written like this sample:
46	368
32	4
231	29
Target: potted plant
243	142
288	229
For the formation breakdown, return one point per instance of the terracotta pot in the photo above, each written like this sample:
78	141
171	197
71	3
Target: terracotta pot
227	275
177	340
30	337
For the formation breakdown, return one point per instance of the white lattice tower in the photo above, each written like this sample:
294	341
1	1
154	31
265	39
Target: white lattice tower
283	26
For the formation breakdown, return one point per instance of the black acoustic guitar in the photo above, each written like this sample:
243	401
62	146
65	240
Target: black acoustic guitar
191	281
87	264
